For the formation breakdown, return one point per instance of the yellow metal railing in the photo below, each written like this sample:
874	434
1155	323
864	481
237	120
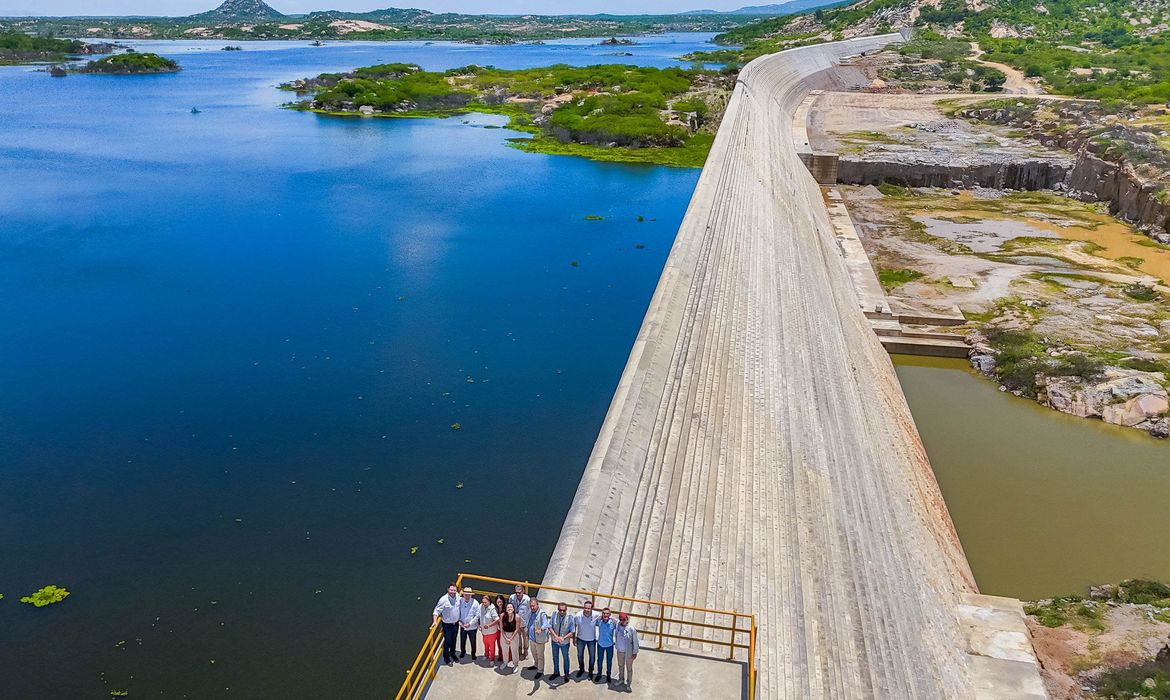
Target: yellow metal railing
425	665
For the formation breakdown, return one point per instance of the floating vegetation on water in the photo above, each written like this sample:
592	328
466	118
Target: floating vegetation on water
641	218
119	693
574	264
413	551
456	426
594	217
46	596
640	246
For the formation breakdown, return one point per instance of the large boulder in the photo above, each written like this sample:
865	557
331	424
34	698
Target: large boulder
984	364
1137	410
1070	395
1128	383
1161	428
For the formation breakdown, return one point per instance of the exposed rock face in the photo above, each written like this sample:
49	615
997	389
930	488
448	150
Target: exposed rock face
1101	171
1069	395
1136	410
923	169
1126	397
1129	195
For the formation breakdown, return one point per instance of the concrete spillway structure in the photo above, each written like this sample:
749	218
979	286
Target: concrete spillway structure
759	454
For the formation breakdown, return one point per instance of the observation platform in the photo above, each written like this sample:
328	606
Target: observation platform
657	674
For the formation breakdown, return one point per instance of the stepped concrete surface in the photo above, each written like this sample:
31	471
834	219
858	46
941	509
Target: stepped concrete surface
759	454
657	674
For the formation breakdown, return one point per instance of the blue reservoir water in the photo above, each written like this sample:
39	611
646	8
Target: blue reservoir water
233	345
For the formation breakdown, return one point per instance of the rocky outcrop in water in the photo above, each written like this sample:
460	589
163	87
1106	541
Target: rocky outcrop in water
1117	395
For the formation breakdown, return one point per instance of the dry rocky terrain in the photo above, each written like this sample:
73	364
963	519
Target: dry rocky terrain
1113	643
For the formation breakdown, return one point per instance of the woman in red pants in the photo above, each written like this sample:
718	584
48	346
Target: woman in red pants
489	626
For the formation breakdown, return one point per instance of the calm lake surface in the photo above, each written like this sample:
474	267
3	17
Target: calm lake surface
1044	503
234	343
233	346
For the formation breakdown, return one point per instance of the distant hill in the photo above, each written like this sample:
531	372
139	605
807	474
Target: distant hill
787	8
239	11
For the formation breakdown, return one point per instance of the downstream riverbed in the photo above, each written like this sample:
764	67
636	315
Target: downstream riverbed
1045	503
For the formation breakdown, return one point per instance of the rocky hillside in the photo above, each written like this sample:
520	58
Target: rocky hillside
232	11
1104	50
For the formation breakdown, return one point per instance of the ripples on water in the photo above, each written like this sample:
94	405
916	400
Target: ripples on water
233	344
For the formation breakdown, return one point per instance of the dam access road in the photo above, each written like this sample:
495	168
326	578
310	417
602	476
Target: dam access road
759	456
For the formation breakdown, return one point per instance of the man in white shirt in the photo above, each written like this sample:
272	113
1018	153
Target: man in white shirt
625	642
521	602
468	622
447	610
586	632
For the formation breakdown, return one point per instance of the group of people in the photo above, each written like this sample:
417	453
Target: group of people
512	628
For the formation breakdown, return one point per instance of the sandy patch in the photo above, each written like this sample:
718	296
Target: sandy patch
348	26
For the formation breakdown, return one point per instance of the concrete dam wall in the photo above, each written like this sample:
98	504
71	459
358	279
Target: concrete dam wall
759	454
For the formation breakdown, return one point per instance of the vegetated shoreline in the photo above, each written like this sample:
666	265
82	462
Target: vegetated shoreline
18	49
609	113
693	157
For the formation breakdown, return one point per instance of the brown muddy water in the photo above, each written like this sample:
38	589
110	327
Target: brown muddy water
975	223
1044	503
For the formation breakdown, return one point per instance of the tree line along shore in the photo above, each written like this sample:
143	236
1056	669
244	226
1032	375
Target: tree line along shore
607	112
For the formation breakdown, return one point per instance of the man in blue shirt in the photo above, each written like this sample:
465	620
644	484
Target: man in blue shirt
606	627
447	610
560	627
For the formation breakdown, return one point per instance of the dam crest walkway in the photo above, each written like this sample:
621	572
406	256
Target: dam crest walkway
759	454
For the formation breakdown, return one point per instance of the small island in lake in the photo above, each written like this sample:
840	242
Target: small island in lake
605	112
614	41
19	48
131	64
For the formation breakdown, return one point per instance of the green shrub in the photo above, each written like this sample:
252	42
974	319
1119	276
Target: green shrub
1140	292
895	278
1142	591
132	63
